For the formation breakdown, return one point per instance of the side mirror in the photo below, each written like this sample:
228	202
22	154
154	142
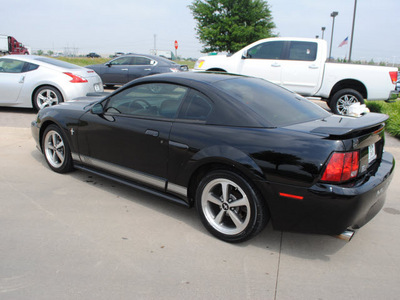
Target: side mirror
152	62
97	109
108	65
245	54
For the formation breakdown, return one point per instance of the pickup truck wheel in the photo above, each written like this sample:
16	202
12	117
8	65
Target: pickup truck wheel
342	99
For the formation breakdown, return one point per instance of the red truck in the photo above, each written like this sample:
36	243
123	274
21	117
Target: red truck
9	45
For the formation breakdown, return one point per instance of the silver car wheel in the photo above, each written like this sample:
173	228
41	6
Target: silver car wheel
225	206
344	103
54	149
46	97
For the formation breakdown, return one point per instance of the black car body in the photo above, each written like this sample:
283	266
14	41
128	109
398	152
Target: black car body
125	68
241	149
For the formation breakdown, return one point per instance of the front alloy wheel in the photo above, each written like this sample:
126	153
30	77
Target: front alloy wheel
56	150
229	206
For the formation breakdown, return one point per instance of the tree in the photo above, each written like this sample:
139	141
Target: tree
229	25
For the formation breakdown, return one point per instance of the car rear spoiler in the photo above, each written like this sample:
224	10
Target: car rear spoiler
350	125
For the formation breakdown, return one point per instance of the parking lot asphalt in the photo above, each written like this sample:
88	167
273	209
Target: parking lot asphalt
78	236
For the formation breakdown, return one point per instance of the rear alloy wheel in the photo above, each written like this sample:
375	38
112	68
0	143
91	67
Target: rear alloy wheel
342	100
56	150
46	96
230	207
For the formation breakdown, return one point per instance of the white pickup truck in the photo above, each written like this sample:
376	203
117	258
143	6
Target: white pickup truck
299	64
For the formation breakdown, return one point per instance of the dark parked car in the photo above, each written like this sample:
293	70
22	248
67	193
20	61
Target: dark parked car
123	69
240	149
93	55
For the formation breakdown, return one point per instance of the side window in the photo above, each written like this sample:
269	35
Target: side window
151	100
138	60
30	67
11	66
303	51
196	107
268	50
121	61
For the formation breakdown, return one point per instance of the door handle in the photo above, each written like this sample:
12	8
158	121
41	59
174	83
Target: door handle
124	69
275	65
313	67
154	133
179	145
22	79
147	69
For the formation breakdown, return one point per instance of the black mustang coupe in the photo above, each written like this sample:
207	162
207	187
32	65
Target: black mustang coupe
242	150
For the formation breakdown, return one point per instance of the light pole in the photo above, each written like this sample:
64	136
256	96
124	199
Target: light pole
333	15
323	30
352	29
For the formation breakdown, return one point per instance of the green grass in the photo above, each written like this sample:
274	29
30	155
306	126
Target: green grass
84	61
391	109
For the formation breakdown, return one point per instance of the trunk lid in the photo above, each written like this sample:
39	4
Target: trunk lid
365	134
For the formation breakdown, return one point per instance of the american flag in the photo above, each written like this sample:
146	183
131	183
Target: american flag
345	41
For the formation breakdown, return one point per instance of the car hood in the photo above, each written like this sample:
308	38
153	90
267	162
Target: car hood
336	125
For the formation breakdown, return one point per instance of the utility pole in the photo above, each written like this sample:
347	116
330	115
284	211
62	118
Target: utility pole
352	29
333	15
155	44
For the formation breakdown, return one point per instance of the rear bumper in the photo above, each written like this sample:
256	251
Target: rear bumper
393	96
331	209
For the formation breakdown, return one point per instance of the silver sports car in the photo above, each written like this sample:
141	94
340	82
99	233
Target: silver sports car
37	81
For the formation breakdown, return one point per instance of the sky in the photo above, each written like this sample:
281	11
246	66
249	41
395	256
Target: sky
105	27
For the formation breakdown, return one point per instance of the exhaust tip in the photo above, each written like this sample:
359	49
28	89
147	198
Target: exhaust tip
347	235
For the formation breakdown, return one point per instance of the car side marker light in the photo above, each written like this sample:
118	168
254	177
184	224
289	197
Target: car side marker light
291	196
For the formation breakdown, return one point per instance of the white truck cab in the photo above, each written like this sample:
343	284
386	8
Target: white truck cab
299	64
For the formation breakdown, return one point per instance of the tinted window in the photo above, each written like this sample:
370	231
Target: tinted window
197	107
11	66
122	61
30	67
57	63
268	50
159	100
303	51
279	107
140	60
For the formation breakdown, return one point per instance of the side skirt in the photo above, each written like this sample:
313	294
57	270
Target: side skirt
137	186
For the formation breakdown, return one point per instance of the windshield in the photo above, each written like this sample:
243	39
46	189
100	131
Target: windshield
57	63
278	106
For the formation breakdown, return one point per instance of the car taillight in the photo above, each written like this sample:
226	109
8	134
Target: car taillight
393	76
75	78
342	167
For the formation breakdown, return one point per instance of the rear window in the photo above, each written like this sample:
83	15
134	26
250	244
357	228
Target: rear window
278	106
58	63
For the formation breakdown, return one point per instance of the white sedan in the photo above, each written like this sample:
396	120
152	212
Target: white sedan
37	81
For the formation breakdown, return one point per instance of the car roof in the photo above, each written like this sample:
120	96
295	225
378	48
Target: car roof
154	57
204	77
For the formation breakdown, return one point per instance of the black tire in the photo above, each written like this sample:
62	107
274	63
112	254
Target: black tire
56	150
342	99
235	217
46	96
